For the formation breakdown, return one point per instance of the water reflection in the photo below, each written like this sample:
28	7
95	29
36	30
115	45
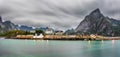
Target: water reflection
89	44
96	44
113	42
42	40
102	43
48	48
47	41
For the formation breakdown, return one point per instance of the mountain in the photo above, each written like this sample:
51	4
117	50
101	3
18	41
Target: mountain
97	23
9	26
25	28
0	19
6	26
70	32
0	22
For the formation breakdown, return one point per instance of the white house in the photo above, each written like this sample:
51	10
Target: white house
49	31
38	36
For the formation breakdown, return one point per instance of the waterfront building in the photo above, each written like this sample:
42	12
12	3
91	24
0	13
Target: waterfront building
24	36
49	31
59	32
38	36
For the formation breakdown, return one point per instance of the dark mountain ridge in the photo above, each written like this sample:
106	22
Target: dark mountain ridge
97	23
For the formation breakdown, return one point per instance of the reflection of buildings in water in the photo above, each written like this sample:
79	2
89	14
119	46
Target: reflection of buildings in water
89	43
47	41
37	41
113	42
42	40
102	43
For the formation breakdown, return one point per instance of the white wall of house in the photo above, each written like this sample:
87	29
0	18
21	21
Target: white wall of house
39	36
48	32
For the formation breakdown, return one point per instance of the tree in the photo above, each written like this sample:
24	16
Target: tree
38	32
14	33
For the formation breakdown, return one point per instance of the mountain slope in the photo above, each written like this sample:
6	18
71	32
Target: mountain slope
7	25
97	23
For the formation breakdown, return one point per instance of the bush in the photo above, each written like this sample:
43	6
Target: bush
14	33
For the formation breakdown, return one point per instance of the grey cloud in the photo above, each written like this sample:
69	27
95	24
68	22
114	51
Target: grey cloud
60	14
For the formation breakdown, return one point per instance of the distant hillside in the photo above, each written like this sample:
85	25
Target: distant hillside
97	23
8	25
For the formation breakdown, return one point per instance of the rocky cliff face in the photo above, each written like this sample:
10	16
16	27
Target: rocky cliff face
96	23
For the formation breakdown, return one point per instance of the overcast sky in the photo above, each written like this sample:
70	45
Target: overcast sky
60	14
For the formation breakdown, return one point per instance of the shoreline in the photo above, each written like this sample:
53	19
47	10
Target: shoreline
74	39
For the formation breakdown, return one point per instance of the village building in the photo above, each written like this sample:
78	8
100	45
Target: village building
49	31
24	36
59	32
38	36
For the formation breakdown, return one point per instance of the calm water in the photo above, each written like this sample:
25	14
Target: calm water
42	48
